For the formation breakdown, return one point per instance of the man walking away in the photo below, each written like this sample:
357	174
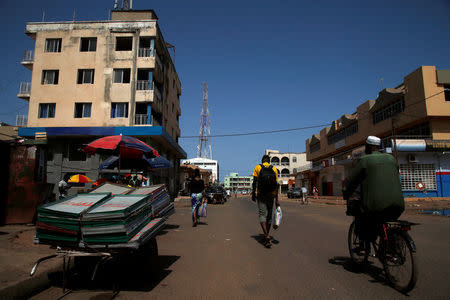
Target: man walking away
381	191
265	190
304	194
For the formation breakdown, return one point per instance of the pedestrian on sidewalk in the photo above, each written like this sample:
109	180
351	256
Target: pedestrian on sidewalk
197	192
304	194
315	192
264	191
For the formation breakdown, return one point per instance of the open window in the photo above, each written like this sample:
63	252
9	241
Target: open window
124	43
88	44
122	75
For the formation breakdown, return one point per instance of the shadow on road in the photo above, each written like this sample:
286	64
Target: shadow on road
375	272
125	273
260	238
168	227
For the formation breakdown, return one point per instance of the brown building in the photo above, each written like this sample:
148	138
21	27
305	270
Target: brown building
97	78
415	114
187	173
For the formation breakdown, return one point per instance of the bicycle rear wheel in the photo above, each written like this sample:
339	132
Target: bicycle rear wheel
355	246
399	261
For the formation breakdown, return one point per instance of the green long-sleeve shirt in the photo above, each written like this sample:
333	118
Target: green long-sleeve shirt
380	182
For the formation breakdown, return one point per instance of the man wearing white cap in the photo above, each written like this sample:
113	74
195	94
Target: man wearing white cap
381	191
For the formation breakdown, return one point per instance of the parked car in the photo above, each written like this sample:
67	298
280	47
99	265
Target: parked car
294	193
215	194
184	193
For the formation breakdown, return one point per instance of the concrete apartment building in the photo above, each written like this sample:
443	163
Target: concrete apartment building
413	121
97	78
239	184
287	164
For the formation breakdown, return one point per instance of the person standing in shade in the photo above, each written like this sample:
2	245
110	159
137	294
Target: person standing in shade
63	186
196	190
264	191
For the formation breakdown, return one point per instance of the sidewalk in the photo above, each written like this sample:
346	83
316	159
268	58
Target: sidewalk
17	256
413	205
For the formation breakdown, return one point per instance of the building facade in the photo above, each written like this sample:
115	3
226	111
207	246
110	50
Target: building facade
287	164
239	184
186	174
205	164
96	78
413	121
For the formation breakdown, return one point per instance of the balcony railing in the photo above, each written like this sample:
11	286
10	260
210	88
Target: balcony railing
146	52
141	119
144	85
25	88
28	56
21	120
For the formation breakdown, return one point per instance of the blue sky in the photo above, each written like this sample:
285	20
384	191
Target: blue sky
269	64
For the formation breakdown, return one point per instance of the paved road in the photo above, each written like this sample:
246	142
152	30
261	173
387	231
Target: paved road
223	259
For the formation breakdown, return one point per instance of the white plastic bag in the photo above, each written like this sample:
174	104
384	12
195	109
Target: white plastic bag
277	215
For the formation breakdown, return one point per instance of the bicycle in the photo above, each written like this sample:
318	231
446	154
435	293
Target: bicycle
394	248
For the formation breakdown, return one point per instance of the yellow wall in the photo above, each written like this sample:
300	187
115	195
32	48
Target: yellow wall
67	92
419	84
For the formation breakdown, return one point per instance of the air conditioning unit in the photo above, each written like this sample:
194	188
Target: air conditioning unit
412	158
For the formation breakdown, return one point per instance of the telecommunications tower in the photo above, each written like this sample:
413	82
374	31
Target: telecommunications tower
126	4
204	138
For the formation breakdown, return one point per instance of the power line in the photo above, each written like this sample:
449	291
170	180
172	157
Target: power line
310	127
258	132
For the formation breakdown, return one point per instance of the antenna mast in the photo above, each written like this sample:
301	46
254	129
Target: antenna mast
204	138
126	4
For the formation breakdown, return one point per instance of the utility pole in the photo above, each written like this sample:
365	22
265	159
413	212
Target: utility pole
394	140
204	138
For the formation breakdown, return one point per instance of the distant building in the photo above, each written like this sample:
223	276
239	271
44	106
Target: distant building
288	164
413	121
97	78
187	173
234	182
205	164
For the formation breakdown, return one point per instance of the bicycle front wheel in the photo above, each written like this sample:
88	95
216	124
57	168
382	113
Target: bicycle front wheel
356	247
399	261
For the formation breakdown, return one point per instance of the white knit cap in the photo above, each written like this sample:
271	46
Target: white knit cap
373	140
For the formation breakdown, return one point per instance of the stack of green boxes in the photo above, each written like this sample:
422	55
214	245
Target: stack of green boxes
116	220
60	222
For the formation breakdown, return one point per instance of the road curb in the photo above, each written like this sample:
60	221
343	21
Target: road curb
28	287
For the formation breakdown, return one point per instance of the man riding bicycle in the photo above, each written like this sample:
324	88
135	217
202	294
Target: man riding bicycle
381	193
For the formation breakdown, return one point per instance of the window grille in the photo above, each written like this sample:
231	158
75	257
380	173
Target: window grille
350	130
389	111
411	174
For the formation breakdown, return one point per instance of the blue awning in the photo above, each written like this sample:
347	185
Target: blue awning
156	132
152	163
